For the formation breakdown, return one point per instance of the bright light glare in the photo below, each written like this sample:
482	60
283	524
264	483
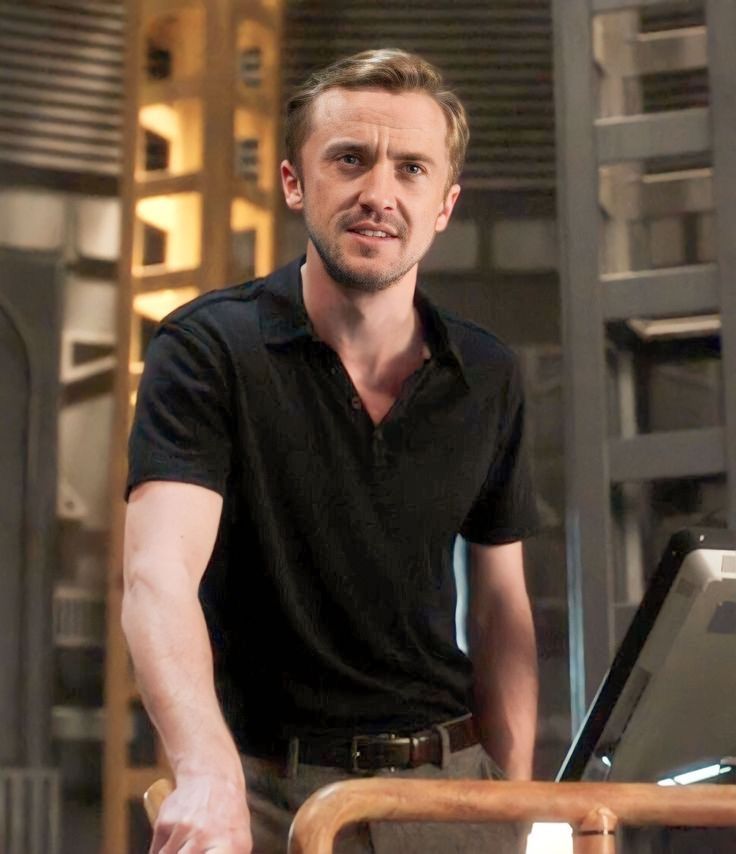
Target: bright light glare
606	761
547	838
697	775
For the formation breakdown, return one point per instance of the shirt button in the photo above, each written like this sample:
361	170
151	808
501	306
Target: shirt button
356	402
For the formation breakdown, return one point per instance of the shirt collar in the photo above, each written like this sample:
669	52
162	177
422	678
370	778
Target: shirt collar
284	319
283	316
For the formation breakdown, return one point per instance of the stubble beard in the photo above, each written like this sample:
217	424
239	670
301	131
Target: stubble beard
339	267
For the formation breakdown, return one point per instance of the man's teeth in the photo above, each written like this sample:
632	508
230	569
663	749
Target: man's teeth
369	233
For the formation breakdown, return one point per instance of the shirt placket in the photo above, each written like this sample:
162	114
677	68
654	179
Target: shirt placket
363	421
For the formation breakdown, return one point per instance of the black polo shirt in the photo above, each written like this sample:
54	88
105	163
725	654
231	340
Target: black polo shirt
330	595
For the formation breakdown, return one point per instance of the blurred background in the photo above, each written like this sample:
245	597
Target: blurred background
139	151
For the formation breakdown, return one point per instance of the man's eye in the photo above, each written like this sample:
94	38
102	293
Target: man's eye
350	159
413	168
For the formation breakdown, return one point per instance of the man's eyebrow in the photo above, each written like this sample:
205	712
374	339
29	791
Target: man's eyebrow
343	145
414	157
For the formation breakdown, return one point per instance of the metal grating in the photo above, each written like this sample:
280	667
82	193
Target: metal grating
79	618
496	54
674	90
673	15
61	70
29	811
61	85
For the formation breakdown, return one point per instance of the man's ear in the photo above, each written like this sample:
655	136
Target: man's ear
447	206
292	186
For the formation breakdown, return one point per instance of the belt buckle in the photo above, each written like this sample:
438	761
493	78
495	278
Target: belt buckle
388	738
355	743
414	751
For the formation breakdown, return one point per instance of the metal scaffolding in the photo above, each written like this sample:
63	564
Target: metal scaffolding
608	192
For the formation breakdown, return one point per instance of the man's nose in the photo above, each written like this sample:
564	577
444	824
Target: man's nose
378	190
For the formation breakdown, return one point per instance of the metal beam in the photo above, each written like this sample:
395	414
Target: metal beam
590	582
671	50
721	22
677	193
653	135
659	52
671	454
655	195
673	292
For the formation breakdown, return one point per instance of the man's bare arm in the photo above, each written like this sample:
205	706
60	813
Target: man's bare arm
504	656
169	535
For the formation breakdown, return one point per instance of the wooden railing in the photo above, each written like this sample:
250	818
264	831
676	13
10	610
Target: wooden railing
593	809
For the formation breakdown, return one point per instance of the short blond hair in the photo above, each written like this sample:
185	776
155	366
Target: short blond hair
387	68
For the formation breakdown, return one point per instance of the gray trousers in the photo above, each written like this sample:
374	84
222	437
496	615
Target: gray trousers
274	796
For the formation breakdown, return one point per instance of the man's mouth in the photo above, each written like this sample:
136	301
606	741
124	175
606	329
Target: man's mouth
368	232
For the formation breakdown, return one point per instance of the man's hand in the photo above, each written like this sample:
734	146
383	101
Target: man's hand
203	814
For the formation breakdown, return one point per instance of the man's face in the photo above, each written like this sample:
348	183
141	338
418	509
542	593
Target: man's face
372	183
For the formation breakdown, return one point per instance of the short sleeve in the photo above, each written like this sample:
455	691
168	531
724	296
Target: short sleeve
505	510
181	429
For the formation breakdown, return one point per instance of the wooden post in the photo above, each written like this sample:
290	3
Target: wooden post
190	102
596	833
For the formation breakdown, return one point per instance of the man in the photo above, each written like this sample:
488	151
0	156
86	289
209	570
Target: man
305	450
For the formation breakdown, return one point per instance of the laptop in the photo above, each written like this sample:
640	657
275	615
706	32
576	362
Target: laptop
666	710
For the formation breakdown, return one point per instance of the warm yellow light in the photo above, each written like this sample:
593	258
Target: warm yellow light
179	215
161	119
245	216
157	304
247	124
179	122
159	211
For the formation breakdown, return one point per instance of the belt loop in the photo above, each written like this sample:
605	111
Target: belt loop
292	759
445	742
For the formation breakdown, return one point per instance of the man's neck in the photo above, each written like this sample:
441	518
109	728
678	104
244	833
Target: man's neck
378	336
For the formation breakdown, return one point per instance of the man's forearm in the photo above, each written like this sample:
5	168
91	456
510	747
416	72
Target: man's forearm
504	658
168	641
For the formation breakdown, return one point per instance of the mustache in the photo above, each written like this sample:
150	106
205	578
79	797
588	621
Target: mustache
350	220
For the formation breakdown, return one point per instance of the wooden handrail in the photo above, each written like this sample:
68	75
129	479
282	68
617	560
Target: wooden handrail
593	809
154	796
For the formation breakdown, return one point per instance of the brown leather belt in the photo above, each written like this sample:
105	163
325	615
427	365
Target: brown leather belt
390	750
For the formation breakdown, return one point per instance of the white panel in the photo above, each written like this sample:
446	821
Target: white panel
84	444
98	228
524	244
32	219
454	250
90	305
